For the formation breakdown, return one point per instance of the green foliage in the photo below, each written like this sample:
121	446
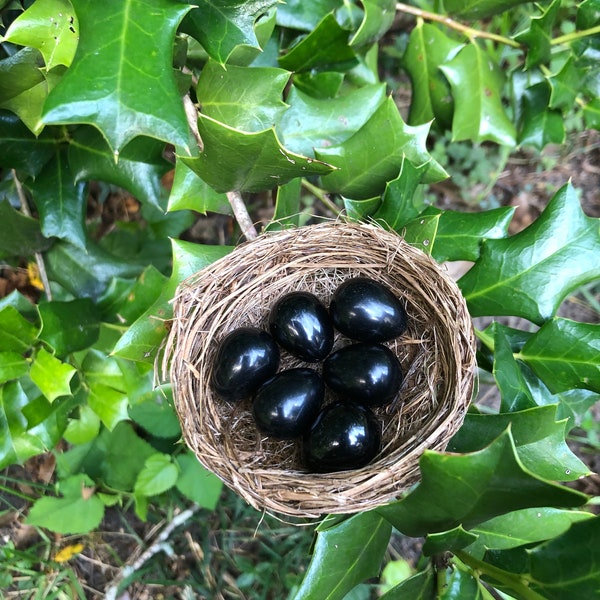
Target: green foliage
288	97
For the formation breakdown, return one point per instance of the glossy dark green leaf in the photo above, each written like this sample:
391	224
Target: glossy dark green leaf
143	338
196	483
121	79
287	206
428	48
50	26
61	202
69	326
538	36
51	375
421	232
460	583
324	48
523	527
565	85
539	441
303	15
17	334
139	169
78	510
21	235
24	87
378	18
479	9
359	210
471	488
86	273
530	273
223	25
448	541
476	81
319	84
22	150
190	192
374	155
249	99
460	234
345	555
569	565
421	586
253	162
311	123
565	354
12	366
539	124
591	114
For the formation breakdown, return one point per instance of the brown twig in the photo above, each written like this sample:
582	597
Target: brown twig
39	259
240	212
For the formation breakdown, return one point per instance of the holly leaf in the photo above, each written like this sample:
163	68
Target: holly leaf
476	82
428	48
303	15
21	235
479	9
311	123
378	18
223	25
78	510
324	48
591	114
17	334
12	366
530	273
139	169
287	206
123	51
345	555
374	154
539	441
142	339
22	150
251	162
50	26
565	354
245	98
69	326
61	203
51	375
460	234
421	586
471	488
448	541
539	124
421	232
565	86
538	37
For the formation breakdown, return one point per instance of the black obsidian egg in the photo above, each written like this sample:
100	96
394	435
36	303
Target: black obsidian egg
365	310
301	324
344	436
367	373
286	405
245	359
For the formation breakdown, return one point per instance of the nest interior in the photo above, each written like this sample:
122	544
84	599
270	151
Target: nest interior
436	353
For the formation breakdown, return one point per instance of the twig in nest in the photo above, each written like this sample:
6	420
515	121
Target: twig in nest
39	259
159	544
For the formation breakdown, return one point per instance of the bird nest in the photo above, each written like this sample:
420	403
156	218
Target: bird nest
437	355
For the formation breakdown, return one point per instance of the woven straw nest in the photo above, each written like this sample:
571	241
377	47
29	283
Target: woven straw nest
437	355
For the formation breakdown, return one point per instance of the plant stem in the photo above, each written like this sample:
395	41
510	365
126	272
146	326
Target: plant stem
511	580
468	31
240	212
39	259
323	197
575	35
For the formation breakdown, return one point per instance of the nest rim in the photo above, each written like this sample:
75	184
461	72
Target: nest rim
238	289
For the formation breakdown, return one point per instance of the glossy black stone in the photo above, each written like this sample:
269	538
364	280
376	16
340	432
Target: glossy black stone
366	373
344	436
286	405
301	324
365	310
245	359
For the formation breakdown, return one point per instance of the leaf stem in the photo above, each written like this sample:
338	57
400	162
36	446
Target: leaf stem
240	212
574	35
513	581
468	31
39	259
323	197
